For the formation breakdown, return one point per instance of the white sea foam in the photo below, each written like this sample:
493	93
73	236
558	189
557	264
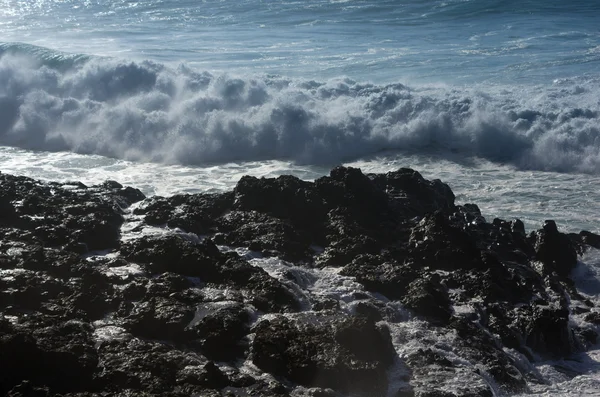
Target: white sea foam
499	190
149	112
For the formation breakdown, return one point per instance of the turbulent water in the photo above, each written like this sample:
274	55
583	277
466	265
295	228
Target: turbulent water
501	99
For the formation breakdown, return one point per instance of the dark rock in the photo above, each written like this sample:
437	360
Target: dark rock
351	359
141	366
436	243
131	195
389	278
111	185
555	250
209	376
205	261
424	357
88	326
429	298
8	214
60	357
518	227
160	318
593	318
326	304
218	330
350	189
172	253
27	389
590	337
265	293
414	195
60	216
265	234
197	213
549	332
286	197
591	239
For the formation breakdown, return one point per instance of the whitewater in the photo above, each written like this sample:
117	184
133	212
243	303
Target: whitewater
499	99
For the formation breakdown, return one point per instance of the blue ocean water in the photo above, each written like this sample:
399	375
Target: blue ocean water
380	41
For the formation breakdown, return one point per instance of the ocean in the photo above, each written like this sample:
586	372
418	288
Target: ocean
499	99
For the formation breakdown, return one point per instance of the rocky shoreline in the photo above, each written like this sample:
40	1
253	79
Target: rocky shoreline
106	292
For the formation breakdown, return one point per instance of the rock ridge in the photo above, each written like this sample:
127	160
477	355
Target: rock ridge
348	285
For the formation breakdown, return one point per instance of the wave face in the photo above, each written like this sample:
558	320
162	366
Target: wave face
146	111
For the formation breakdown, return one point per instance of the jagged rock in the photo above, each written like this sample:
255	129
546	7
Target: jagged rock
172	253
209	376
87	326
436	243
218	330
8	214
205	261
60	216
265	234
286	197
480	346
60	356
160	318
27	389
349	356
591	239
195	213
384	276
141	366
264	292
413	195
555	250
434	374
429	298
548	331
593	318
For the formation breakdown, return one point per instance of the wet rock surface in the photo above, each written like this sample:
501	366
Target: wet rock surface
354	284
349	355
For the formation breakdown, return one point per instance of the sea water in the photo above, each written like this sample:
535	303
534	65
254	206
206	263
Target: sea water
500	99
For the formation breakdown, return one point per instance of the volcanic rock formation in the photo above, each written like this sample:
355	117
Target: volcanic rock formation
104	291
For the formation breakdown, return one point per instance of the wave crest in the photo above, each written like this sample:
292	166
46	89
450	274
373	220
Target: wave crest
149	112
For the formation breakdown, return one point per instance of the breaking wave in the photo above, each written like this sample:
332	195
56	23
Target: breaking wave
145	111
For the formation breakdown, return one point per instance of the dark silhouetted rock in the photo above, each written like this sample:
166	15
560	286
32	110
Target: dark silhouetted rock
218	330
555	250
298	277
349	356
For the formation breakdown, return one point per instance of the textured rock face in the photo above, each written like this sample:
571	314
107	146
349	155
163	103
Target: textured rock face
173	310
350	355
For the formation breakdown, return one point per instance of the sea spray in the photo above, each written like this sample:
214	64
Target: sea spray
147	111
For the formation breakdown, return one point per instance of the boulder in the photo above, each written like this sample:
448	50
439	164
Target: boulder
554	249
349	356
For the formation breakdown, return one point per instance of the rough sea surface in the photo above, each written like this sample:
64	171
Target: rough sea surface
500	99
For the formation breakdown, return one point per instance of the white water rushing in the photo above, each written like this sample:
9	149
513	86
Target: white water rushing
151	112
572	200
